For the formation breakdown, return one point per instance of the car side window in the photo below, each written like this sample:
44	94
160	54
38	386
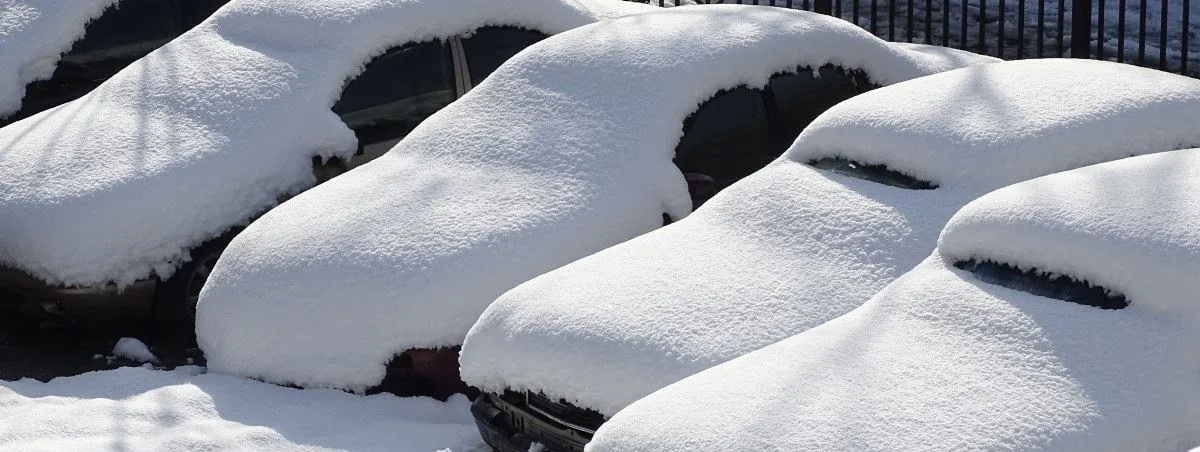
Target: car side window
489	47
192	12
398	90
798	98
125	32
725	140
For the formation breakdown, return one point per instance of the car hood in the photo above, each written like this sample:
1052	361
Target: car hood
792	247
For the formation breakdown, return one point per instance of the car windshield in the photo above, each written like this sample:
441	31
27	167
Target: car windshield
1044	284
874	173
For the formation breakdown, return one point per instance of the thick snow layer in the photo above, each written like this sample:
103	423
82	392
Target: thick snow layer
139	409
792	247
33	36
133	349
564	151
940	360
212	128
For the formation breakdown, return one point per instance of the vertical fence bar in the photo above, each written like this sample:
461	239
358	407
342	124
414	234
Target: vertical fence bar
1183	40
837	8
946	23
1081	28
963	35
823	6
1141	61
1121	30
1100	29
1041	29
788	4
1162	38
892	20
854	10
1020	29
983	26
929	21
908	27
874	8
1000	29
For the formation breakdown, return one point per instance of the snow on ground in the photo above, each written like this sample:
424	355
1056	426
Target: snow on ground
563	151
942	360
133	349
186	409
33	36
791	246
212	128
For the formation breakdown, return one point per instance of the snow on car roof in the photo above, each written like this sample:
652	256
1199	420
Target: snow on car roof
33	36
212	128
1128	226
942	360
791	246
563	151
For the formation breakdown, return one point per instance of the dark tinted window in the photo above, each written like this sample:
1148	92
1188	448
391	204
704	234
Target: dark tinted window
195	11
874	173
490	47
1043	284
127	32
726	139
397	91
798	98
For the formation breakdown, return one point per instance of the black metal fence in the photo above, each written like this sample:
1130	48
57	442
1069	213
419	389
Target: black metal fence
1151	33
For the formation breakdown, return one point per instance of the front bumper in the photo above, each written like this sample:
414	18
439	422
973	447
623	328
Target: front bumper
508	424
28	296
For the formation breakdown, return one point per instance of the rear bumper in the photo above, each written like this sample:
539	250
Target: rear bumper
508	426
25	295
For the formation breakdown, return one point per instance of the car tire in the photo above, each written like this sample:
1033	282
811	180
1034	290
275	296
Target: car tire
174	308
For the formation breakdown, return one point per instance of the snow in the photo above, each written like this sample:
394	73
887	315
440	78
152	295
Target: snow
564	151
940	360
211	129
133	349
791	246
186	409
33	36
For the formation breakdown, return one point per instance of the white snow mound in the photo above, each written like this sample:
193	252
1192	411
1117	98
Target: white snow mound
133	349
137	409
791	247
563	151
212	128
940	360
33	36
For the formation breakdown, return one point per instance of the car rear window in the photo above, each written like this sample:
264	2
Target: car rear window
799	97
1044	284
127	31
489	47
398	90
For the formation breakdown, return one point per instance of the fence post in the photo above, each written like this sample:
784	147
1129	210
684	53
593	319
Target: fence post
1081	28
823	6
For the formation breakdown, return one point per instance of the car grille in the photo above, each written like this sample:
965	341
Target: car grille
560	411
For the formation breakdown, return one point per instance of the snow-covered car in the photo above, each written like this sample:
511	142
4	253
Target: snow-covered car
1056	314
54	51
563	151
858	200
119	203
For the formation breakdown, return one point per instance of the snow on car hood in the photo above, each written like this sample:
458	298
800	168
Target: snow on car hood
33	36
792	247
564	151
941	360
212	128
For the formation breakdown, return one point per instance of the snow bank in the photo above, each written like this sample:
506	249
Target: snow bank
212	128
33	36
133	349
138	409
792	247
565	150
940	360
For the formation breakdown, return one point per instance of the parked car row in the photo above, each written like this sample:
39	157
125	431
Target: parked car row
348	194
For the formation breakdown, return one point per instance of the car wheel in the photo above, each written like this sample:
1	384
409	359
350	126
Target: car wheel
175	299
